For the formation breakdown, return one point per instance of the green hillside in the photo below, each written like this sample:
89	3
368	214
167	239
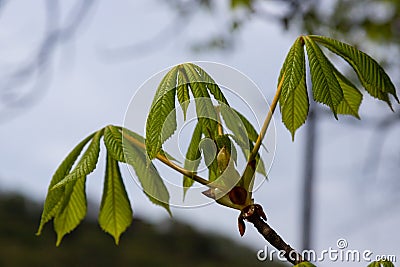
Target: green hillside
144	244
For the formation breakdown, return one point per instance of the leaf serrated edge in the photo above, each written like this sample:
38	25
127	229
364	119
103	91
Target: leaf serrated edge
351	55
325	86
162	114
54	197
114	191
86	164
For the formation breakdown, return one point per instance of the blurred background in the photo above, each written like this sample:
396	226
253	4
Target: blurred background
68	68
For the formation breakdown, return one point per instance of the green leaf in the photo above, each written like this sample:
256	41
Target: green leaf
113	142
351	96
235	123
212	86
246	146
304	264
73	208
251	131
192	159
244	133
241	3
115	210
152	184
205	109
54	196
139	139
326	88
161	121
86	164
381	263
182	92
293	101
371	75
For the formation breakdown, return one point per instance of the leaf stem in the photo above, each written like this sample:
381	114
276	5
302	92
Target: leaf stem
169	163
267	121
220	129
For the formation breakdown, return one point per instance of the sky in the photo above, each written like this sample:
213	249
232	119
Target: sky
88	86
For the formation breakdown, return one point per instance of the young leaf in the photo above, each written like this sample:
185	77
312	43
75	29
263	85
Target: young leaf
244	133
326	88
205	110
73	208
304	264
251	131
212	86
123	132
86	164
152	183
294	99
115	209
182	92
381	263
192	159
371	74
161	121
351	96
113	143
246	147
235	123
54	196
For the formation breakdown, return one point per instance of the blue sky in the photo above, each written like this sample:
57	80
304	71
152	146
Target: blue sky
87	91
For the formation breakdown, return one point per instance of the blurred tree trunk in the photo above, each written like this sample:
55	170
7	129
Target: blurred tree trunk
308	180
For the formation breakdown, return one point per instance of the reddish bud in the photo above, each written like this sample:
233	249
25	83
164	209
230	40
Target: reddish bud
238	195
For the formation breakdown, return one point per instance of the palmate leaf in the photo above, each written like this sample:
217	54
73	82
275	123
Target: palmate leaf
140	139
212	86
304	264
371	75
293	102
244	133
251	131
351	96
115	209
182	92
152	184
193	157
135	155
326	88
329	86
73	208
381	263
205	110
86	164
161	122
113	143
54	196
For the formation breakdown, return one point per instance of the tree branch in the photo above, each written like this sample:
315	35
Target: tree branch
255	215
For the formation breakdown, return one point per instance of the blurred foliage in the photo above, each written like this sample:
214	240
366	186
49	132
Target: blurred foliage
169	244
368	22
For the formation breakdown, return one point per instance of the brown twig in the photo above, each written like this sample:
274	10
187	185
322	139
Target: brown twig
255	215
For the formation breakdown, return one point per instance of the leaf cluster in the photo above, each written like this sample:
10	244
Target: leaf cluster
66	203
329	85
182	86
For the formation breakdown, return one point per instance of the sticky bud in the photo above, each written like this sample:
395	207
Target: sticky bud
223	159
238	195
242	226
